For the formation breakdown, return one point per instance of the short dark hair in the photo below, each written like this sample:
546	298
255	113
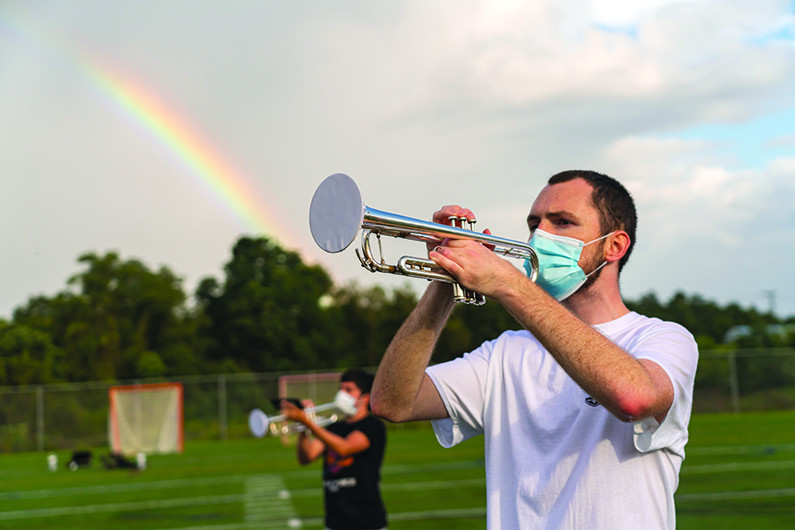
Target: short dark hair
612	200
362	379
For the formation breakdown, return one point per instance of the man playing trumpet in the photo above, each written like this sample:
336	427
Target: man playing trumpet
585	411
353	450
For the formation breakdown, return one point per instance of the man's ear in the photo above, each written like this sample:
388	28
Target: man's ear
616	246
366	399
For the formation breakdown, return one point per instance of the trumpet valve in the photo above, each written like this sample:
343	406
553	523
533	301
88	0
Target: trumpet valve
459	294
460	222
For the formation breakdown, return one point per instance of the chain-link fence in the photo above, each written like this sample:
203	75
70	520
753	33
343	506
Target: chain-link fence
75	415
745	380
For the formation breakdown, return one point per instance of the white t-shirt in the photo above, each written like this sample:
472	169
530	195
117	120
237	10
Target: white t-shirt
555	459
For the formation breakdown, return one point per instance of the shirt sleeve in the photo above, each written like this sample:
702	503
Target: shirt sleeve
374	430
462	385
675	351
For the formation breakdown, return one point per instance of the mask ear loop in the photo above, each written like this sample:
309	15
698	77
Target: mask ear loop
600	238
596	269
604	262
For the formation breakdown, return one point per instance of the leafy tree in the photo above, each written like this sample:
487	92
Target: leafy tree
365	320
470	326
703	318
268	314
114	319
27	356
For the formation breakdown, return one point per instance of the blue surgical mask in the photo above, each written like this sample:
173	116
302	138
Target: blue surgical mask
559	272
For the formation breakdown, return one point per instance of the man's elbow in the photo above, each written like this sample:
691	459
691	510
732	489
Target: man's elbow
387	411
636	406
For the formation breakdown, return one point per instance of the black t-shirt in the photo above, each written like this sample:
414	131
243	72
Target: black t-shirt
352	483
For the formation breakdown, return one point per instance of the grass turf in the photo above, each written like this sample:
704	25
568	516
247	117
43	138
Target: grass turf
739	473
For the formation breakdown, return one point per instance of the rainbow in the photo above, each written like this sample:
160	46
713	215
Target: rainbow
191	149
211	171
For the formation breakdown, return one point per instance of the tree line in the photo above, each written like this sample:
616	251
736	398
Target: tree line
119	319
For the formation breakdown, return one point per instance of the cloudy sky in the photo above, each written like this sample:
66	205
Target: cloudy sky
165	130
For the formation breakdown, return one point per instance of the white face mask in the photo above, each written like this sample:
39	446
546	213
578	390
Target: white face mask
559	272
346	403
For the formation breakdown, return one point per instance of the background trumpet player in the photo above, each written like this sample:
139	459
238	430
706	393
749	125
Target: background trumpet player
584	412
352	451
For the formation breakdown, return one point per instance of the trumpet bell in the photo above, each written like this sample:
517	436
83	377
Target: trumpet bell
336	213
258	423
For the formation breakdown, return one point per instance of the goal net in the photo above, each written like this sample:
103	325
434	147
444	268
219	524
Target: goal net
319	388
145	418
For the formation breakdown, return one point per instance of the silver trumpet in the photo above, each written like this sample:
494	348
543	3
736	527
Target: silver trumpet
260	424
337	213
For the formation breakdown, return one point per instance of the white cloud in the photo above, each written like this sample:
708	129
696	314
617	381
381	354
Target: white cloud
683	198
627	13
425	103
703	227
698	55
787	140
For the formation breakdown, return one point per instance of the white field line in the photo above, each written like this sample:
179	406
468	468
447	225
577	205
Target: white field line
277	513
735	495
239	479
740	449
403	469
463	513
401	486
737	466
264	503
121	488
123	507
318	521
271	500
211	481
439	514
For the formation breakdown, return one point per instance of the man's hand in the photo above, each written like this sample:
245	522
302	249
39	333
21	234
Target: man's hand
473	264
443	216
294	413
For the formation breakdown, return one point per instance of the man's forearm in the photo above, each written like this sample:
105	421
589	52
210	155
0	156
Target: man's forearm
303	448
333	441
609	374
401	371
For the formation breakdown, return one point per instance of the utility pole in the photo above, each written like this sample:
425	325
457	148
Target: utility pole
771	300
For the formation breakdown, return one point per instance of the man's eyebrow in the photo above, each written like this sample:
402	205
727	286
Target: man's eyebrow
553	215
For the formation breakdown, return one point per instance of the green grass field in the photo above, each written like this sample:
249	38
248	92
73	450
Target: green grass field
739	474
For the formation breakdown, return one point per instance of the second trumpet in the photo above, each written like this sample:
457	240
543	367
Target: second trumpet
260	425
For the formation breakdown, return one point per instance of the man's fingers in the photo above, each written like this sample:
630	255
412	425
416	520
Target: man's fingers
443	256
446	212
490	247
